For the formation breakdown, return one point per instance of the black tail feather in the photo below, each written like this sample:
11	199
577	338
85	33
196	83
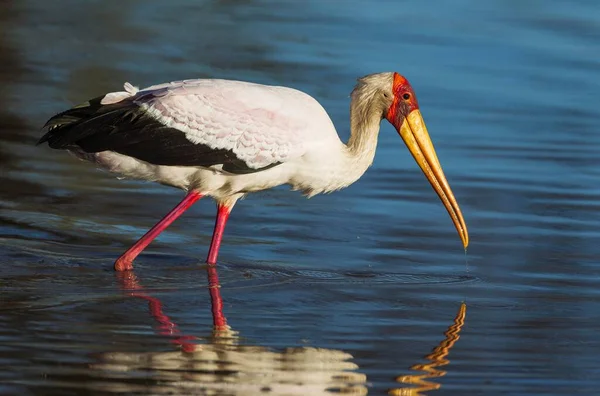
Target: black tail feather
65	128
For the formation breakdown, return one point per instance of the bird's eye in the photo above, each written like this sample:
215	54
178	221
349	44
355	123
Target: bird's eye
406	96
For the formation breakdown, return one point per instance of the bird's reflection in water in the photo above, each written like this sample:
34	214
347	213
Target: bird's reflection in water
419	382
225	367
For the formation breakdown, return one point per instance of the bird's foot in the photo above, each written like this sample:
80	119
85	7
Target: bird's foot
123	264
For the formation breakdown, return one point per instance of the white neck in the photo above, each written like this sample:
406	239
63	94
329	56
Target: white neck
358	154
345	165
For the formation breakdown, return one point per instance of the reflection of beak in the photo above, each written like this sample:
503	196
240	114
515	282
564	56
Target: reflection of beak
414	133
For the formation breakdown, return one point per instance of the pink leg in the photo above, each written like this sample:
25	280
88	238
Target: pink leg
222	216
125	262
214	286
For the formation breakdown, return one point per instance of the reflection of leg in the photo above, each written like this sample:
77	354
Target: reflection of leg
125	262
130	284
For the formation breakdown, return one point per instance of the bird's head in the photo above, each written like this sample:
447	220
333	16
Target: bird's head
393	96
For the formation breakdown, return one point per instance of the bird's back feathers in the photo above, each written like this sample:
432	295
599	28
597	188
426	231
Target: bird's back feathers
242	126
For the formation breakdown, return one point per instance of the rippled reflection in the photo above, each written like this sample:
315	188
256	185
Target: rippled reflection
223	366
437	358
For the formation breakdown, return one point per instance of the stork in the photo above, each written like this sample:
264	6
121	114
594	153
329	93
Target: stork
224	139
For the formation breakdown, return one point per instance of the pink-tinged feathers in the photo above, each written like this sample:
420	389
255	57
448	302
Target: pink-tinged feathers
262	125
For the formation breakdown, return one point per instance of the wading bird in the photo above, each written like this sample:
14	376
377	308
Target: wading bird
225	139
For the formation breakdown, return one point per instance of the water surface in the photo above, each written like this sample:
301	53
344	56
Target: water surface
367	290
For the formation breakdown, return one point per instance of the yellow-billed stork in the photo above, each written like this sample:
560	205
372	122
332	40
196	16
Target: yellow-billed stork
224	139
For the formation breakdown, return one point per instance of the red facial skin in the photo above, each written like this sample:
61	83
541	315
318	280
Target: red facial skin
401	107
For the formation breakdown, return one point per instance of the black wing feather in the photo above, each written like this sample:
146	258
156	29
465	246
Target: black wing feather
127	129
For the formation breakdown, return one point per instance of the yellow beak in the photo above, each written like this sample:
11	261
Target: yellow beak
415	135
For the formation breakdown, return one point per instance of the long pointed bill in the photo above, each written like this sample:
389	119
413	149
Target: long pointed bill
415	135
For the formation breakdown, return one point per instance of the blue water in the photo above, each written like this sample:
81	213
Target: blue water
359	291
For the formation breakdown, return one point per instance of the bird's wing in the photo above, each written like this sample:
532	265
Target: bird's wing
242	126
261	125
